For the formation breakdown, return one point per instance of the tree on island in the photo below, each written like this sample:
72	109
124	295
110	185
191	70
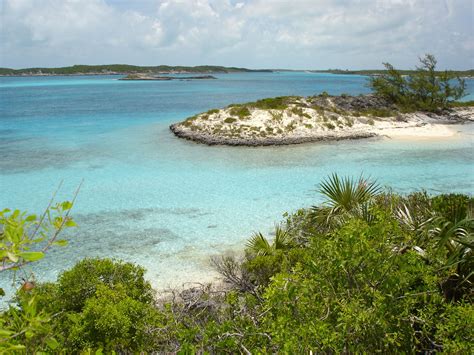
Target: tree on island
425	89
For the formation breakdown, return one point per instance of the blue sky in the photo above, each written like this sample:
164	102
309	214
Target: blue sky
297	34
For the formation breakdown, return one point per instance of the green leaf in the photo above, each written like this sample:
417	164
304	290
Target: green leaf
2	292
12	257
5	333
15	214
70	223
32	255
66	205
16	347
31	218
52	343
61	242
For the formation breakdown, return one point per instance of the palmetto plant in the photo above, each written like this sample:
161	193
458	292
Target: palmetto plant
345	197
259	245
456	240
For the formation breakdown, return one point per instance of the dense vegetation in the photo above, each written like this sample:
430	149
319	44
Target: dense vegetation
367	271
122	69
424	89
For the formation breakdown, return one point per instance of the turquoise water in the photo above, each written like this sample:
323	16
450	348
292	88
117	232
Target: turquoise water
169	204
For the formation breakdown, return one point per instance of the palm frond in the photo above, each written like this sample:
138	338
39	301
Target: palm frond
283	239
345	194
259	245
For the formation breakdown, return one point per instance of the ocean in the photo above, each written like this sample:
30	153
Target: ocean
169	204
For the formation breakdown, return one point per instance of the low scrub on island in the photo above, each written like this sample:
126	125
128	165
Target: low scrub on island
367	271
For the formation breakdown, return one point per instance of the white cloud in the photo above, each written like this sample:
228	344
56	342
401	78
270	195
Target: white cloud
253	33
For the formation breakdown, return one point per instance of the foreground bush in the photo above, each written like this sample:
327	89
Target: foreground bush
98	304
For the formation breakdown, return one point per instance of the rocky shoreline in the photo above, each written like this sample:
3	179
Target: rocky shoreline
296	120
256	142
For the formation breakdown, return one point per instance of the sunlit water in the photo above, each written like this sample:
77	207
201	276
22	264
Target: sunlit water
169	204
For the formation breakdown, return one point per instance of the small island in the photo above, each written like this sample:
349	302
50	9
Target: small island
165	78
294	119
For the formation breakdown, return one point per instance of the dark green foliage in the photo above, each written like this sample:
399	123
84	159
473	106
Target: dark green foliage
240	111
423	89
230	120
375	112
78	284
111	320
99	304
453	207
276	103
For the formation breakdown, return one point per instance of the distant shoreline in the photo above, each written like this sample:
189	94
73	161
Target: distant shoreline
124	69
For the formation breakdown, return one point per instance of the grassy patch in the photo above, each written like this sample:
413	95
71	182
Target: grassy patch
291	126
277	116
240	111
189	121
319	109
298	111
210	112
275	103
329	125
230	120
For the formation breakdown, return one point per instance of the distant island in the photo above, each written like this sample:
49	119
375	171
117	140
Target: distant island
296	119
124	69
165	78
370	72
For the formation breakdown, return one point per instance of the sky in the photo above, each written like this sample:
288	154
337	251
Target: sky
292	34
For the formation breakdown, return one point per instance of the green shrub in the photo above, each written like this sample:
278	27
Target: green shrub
240	111
99	303
81	282
230	120
453	207
276	103
113	321
424	89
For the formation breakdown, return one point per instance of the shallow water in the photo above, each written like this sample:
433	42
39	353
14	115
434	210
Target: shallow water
166	203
